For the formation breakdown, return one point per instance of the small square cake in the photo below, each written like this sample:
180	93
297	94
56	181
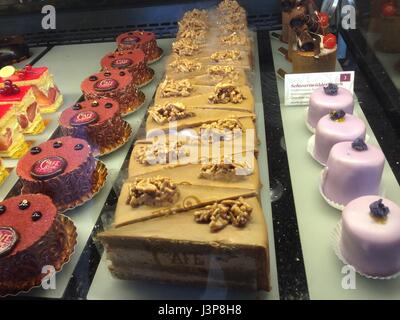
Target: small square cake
12	142
47	94
25	107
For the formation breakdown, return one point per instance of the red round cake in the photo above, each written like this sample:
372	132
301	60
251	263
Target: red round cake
114	84
61	168
146	41
97	121
133	61
32	235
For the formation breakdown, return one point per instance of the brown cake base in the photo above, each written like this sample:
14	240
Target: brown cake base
304	62
285	26
65	228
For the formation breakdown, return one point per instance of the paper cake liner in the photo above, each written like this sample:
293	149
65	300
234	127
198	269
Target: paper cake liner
99	180
132	109
124	139
36	281
311	129
335	241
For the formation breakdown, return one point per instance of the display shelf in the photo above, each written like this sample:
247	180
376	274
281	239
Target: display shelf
70	65
316	219
104	286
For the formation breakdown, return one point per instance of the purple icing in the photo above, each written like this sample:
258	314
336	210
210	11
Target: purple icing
331	89
359	145
337	115
378	209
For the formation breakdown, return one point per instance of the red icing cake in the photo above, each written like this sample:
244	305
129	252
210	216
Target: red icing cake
114	84
32	235
143	40
61	168
97	121
133	61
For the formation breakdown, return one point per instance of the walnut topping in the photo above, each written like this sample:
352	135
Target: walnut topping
188	33
197	25
161	153
226	93
233	39
223	128
175	88
225	170
169	112
195	14
223	72
185	47
185	65
226	55
229	6
233	27
219	215
155	192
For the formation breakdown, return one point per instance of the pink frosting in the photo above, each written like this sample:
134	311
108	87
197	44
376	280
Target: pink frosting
370	245
321	104
329	132
351	174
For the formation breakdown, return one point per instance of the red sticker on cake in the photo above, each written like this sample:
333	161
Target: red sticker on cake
121	63
130	40
8	239
83	118
106	85
49	167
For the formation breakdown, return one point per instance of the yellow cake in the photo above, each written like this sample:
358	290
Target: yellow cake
3	172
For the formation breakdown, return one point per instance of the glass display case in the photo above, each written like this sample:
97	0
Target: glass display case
179	231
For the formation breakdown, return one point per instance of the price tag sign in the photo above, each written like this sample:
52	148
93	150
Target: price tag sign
299	86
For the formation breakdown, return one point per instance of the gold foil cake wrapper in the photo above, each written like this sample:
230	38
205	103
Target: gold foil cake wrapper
36	281
99	178
120	143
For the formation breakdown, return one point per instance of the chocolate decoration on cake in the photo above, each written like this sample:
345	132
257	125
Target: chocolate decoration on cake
77	106
359	145
57	144
36	216
92	78
35	150
106	85
108	105
78	147
83	118
331	89
8	239
24	204
306	42
3	208
122	63
337	115
379	210
49	167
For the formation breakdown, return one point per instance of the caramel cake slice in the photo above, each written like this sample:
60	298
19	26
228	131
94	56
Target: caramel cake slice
25	107
47	94
179	68
195	247
184	116
147	198
224	174
151	157
225	96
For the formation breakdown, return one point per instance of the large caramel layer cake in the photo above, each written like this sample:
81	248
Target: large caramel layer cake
189	211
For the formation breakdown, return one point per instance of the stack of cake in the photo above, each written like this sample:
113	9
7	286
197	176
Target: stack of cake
311	47
189	210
